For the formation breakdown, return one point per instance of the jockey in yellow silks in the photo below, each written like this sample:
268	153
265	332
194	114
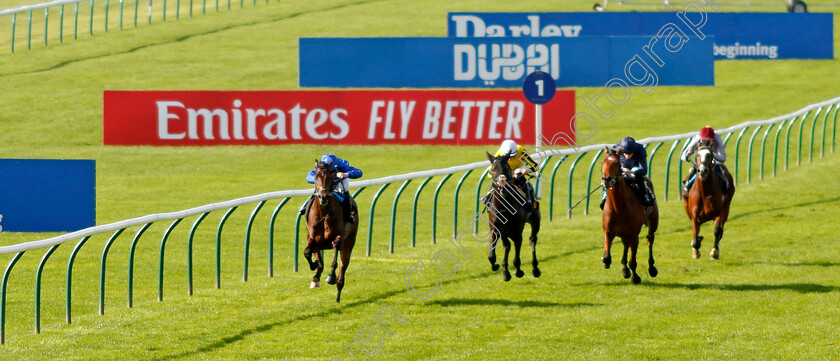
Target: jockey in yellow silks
521	164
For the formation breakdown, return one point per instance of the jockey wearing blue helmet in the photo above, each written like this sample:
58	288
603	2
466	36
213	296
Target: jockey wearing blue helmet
633	159
344	172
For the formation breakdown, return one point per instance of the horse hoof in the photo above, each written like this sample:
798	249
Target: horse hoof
314	285
625	273
536	272
331	279
714	254
505	276
313	266
519	273
494	267
695	253
652	271
607	261
338	298
636	279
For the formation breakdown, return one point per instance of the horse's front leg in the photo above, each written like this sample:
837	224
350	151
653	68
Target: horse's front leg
316	280
491	256
634	247
517	262
608	240
505	272
697	238
336	247
307	253
715	253
535	228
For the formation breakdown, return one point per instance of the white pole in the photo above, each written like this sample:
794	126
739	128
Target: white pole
538	127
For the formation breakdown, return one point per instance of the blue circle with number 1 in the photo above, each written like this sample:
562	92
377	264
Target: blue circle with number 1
538	87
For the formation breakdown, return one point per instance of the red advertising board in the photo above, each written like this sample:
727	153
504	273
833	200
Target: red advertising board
451	117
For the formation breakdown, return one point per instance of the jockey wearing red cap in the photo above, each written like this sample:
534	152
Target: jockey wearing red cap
707	137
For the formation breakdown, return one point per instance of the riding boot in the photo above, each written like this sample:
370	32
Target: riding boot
486	198
688	181
724	182
306	205
649	199
347	208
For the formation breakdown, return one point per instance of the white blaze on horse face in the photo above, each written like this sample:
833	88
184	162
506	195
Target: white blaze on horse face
703	155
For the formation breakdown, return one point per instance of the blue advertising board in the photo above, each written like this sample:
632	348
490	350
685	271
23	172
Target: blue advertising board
737	35
500	62
47	195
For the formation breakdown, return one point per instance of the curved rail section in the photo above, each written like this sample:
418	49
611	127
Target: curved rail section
824	111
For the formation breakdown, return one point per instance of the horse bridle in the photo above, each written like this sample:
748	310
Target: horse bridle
609	182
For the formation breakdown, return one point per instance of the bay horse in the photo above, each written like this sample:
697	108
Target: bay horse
706	201
508	213
624	215
326	229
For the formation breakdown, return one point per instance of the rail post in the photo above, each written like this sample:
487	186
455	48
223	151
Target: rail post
394	214
571	173
370	217
102	269
434	206
414	210
455	207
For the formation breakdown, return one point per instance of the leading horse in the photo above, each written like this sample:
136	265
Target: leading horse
326	229
508	213
624	215
706	201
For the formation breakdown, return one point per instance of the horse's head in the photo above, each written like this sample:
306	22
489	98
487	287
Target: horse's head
499	170
610	169
324	181
704	161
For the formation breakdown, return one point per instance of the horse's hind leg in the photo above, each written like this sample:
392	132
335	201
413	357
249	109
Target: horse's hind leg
505	272
652	271
535	228
653	225
346	250
336	247
625	272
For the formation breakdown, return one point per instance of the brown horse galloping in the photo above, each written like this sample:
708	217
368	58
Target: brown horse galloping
508	213
624	215
706	201
326	229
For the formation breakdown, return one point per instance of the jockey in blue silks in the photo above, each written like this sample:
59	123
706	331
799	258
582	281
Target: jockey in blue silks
344	172
633	159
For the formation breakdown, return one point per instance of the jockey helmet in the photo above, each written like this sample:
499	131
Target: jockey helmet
509	148
628	145
328	159
707	133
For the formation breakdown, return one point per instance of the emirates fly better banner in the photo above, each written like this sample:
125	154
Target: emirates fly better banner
456	117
